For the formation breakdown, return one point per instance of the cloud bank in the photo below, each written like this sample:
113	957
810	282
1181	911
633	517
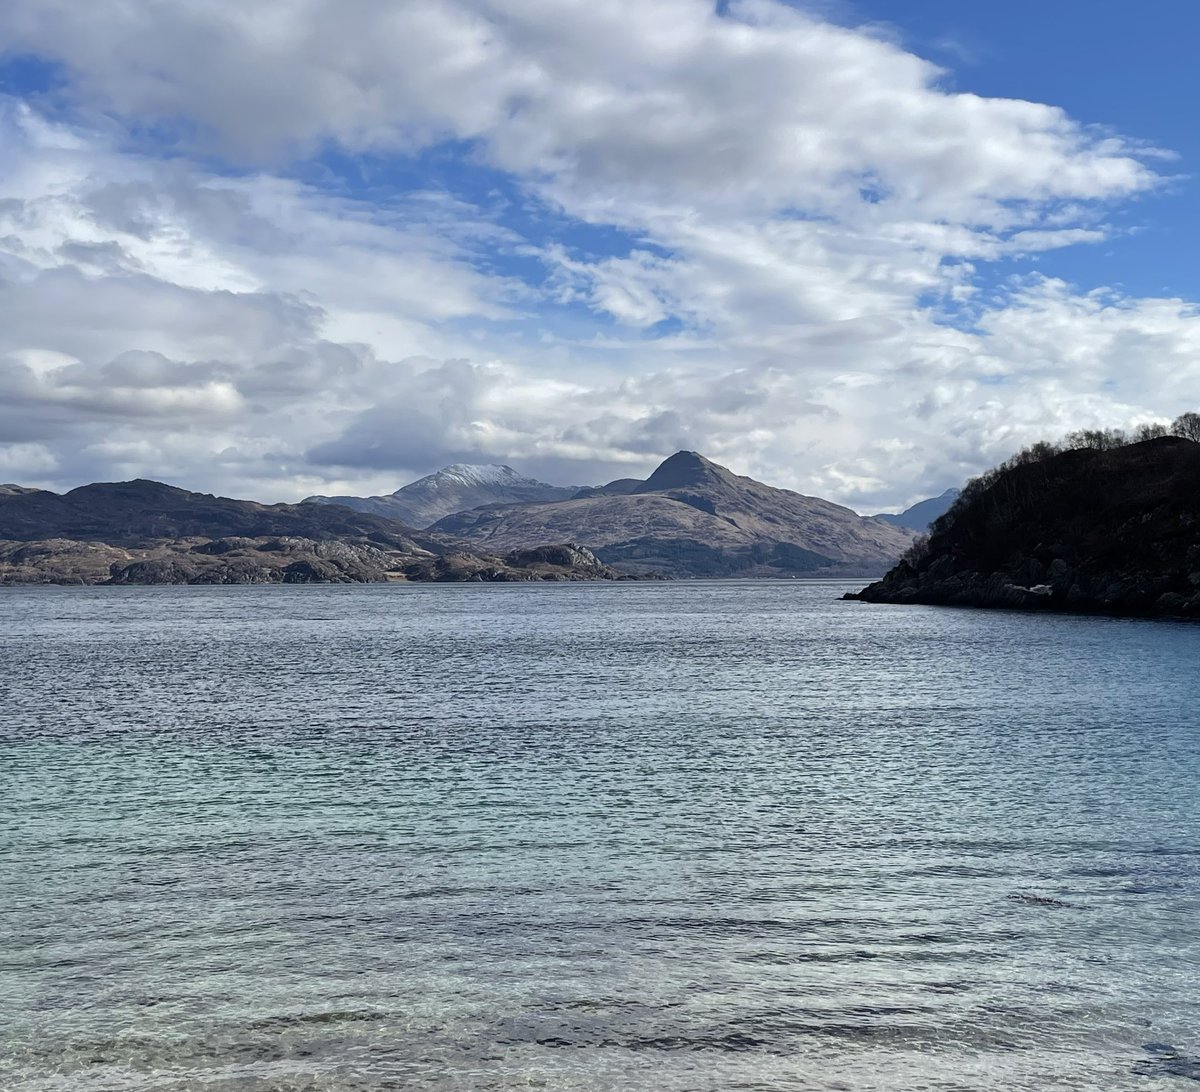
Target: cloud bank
328	245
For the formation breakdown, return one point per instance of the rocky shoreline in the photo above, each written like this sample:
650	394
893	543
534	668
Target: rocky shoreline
1056	587
282	560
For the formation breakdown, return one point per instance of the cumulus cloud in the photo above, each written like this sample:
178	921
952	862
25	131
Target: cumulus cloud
748	231
759	104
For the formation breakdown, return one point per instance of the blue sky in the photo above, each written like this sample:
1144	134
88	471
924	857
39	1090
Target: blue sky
1126	67
863	250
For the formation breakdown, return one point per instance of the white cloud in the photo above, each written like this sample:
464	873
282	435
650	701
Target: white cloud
804	206
758	108
30	463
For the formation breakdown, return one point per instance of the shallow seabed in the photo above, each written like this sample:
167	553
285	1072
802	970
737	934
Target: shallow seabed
702	836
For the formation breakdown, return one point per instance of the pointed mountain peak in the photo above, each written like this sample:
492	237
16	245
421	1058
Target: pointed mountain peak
684	470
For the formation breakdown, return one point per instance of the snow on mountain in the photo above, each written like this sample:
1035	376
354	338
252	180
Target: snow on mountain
455	488
480	474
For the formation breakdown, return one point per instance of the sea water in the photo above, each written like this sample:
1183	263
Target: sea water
674	836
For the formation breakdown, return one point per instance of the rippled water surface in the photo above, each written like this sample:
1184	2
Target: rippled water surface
590	837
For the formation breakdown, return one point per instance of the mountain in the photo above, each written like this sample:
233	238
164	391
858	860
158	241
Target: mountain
1098	531
453	489
922	514
144	532
692	517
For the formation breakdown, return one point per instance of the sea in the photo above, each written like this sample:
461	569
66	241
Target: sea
580	837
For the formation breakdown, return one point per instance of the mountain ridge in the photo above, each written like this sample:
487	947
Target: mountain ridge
454	488
693	517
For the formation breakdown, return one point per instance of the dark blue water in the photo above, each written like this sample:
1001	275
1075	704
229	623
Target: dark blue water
580	837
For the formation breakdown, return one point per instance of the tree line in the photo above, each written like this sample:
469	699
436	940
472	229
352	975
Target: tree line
1186	426
1006	490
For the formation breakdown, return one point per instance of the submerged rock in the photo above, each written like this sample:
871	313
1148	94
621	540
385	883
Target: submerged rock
1040	900
1167	1061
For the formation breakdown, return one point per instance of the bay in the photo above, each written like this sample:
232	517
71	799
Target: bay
726	835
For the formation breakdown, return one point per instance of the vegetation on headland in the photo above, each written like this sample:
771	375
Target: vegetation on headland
1103	521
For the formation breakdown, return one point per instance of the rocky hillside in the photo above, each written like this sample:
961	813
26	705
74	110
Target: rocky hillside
1101	531
692	517
280	561
144	532
453	489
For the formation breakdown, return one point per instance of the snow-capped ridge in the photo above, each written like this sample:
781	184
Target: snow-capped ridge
455	488
480	474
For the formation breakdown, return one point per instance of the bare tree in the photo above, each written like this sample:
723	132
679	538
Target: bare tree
1187	425
917	552
1099	439
1153	431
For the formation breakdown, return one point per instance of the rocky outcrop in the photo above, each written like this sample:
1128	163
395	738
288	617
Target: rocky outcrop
555	563
281	560
1108	532
189	561
61	561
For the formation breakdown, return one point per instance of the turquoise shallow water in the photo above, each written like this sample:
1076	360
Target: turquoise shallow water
583	837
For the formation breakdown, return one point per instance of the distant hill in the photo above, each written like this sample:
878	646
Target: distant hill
127	513
921	515
619	488
453	489
692	517
1104	531
145	532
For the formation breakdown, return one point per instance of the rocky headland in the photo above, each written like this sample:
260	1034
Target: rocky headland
1108	530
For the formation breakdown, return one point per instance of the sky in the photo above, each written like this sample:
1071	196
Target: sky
860	249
